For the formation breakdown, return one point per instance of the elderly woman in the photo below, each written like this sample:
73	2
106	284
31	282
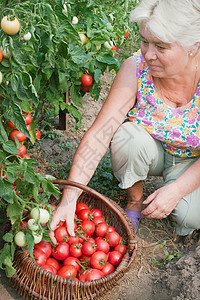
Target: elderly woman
158	87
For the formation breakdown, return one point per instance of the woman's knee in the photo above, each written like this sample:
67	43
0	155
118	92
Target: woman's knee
186	215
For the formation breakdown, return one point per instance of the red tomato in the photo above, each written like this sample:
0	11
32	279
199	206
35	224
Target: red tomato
27	156
45	247
102	245
86	80
88	248
76	249
85	88
28	127
114	48
82	236
23	225
11	125
28	119
73	239
113	238
91	240
40	257
126	34
49	268
108	269
1	55
37	134
88	226
101	229
96	212
61	233
94	274
85	260
72	261
19	135
84	214
121	248
98	220
61	251
53	262
111	229
98	260
80	206
115	257
22	150
67	272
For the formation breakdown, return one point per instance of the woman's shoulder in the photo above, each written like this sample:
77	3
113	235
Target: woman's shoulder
141	63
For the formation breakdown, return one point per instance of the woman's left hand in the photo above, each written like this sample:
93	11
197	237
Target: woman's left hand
162	202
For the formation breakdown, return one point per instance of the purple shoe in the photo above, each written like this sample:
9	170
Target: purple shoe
135	217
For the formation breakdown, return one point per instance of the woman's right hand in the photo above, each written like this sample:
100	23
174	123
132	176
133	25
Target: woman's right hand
65	212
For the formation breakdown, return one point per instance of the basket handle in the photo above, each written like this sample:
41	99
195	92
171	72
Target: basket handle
106	200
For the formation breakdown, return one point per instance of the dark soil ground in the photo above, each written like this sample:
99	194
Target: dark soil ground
165	268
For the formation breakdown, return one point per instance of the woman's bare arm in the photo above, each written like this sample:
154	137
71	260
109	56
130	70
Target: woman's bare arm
97	139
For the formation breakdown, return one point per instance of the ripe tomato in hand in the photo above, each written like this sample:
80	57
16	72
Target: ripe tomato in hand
60	233
86	80
67	272
45	247
61	251
81	205
98	260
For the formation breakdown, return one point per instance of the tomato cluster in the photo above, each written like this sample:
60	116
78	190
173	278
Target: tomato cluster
14	133
94	252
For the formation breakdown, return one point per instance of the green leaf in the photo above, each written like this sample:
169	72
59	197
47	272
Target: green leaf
10	147
3	134
14	212
6	191
10	271
8	237
29	175
76	97
78	56
107	59
4	253
30	241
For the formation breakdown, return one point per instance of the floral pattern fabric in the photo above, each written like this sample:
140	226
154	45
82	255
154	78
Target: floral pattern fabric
177	128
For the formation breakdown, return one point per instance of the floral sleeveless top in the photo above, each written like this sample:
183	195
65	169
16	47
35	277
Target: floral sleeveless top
178	129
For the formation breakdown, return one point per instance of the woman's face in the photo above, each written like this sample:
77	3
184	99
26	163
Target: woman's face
165	60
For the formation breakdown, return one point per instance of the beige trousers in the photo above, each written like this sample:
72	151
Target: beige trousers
135	154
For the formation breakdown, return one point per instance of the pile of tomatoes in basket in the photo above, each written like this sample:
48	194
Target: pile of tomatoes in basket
94	252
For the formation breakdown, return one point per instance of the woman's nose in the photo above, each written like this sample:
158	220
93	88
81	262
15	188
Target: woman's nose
150	53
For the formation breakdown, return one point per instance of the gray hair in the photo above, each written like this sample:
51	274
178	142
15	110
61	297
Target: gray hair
170	20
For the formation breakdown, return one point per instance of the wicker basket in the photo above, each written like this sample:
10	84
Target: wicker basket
32	282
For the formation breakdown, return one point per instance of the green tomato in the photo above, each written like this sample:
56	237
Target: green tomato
37	236
32	224
40	214
1	77
20	239
108	45
27	36
75	20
